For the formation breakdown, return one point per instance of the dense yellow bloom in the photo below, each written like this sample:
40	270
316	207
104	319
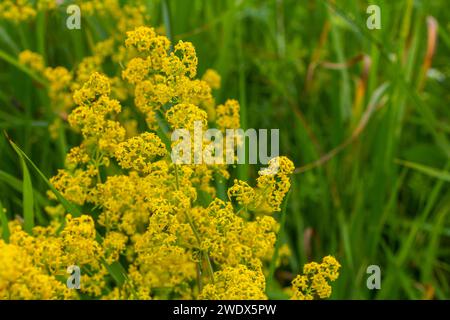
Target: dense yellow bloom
97	85
137	69
227	115
244	194
33	265
20	279
273	182
73	185
184	116
138	152
114	244
16	11
79	242
236	283
93	113
314	282
161	220
189	60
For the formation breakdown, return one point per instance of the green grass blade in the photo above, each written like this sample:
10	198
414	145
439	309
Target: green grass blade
11	180
429	171
70	208
166	18
117	272
4	221
27	197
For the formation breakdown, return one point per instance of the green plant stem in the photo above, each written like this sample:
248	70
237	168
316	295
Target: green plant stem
196	234
278	243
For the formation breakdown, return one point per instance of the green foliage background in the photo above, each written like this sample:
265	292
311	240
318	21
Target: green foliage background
360	114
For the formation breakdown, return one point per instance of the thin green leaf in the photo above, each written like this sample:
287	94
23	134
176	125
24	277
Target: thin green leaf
70	208
27	197
117	271
4	221
432	172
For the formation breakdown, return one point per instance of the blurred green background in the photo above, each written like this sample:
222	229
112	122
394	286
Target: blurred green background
364	114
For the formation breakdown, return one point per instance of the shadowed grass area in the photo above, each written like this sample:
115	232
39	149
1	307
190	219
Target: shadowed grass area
362	113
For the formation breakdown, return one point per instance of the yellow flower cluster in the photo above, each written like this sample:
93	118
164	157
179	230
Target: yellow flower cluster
20	279
161	77
16	11
58	78
92	116
32	265
227	115
272	185
236	283
314	282
161	220
126	16
62	83
138	152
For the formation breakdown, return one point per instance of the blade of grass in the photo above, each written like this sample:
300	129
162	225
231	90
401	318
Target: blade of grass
432	250
166	18
117	272
27	197
407	247
17	185
242	169
4	36
40	33
429	171
70	208
4	221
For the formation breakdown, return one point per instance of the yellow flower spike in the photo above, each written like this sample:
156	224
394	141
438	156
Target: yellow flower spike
227	115
314	282
189	57
274	182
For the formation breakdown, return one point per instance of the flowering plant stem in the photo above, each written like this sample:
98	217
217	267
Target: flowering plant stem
197	236
278	243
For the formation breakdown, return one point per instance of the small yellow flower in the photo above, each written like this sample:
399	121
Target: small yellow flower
212	78
314	282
